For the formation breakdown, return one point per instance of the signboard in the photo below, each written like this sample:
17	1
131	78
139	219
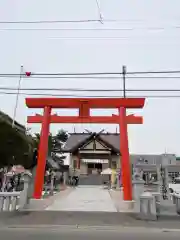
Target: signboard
95	160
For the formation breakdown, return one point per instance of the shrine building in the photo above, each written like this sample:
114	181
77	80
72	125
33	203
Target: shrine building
93	152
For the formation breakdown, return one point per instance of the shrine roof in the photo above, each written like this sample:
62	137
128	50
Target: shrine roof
76	140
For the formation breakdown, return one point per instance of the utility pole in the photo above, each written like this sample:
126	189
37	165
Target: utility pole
17	96
124	80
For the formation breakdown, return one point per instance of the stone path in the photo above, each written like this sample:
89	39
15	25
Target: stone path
117	198
85	198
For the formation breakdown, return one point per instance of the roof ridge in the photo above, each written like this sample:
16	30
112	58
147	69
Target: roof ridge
84	133
89	133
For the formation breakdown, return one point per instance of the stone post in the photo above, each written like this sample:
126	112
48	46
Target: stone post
177	202
164	180
65	178
159	180
147	207
31	183
138	189
24	199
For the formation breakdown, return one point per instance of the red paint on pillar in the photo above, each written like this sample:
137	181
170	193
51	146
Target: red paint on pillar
42	154
125	159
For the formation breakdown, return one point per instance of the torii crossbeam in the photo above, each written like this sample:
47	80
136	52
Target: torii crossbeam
84	105
114	119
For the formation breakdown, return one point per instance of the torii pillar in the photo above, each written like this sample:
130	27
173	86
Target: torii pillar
42	153
125	158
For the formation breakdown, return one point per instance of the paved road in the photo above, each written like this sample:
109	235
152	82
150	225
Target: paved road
80	218
81	234
85	198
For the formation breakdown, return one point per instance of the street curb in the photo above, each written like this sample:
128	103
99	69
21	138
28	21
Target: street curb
90	228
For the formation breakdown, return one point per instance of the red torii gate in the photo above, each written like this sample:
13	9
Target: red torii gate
84	105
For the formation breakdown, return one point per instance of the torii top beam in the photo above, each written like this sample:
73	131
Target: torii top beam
90	102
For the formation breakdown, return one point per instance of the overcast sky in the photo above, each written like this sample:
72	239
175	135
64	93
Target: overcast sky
141	49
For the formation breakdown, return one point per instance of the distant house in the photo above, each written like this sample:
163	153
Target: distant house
156	159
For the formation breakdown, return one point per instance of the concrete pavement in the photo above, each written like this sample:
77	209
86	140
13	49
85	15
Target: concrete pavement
42	204
85	198
88	234
74	218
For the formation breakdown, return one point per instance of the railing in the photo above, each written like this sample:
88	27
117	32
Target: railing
150	205
12	201
9	201
176	200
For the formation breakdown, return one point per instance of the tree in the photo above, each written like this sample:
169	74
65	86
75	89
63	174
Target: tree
62	136
54	142
59	139
36	140
16	148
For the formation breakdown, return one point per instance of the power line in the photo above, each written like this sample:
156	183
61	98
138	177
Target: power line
62	74
154	72
91	29
50	21
84	96
89	90
93	77
111	38
76	21
154	77
95	74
